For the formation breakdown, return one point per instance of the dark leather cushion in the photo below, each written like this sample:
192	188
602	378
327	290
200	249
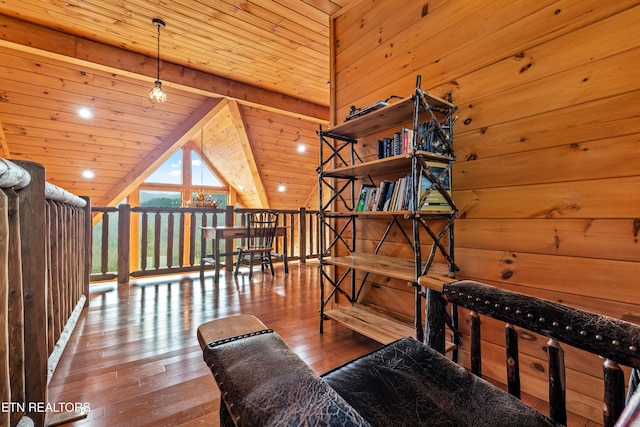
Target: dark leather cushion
407	383
263	383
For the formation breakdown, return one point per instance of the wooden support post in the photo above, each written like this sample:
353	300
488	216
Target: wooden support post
614	396
124	231
513	364
16	307
557	384
5	385
88	241
34	268
435	307
476	351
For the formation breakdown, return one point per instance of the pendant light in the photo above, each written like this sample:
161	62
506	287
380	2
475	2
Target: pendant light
157	94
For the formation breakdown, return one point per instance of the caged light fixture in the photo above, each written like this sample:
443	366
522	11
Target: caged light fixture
156	93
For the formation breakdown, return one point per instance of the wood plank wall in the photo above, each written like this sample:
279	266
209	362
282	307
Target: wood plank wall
547	145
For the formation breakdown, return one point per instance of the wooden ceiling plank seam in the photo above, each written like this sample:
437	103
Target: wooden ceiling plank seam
327	7
55	102
138	66
296	10
233	44
263	24
24	125
116	99
232	27
72	118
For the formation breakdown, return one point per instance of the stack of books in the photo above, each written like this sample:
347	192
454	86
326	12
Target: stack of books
432	137
397	195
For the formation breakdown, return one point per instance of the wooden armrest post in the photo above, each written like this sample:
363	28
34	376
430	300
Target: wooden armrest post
435	320
614	396
557	384
476	352
513	363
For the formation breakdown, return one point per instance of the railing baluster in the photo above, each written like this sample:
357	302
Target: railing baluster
192	240
181	240
104	265
157	229
170	226
144	235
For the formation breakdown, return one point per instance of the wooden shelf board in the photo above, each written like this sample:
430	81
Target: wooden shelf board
397	268
372	324
392	164
395	114
442	214
388	266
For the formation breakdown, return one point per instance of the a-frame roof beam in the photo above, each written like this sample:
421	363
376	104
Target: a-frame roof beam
175	140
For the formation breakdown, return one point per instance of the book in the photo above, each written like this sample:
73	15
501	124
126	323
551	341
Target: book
431	198
363	197
387	195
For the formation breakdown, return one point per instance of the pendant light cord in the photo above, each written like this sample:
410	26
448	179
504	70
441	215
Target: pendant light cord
158	53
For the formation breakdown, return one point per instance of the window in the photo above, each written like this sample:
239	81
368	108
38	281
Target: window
170	172
160	199
201	175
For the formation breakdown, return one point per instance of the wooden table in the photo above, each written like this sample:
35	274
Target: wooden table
230	233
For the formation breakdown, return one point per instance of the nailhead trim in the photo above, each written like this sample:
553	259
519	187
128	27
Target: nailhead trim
239	337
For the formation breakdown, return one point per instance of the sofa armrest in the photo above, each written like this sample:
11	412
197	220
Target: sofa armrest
264	383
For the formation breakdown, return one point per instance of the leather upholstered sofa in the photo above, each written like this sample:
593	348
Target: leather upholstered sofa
407	383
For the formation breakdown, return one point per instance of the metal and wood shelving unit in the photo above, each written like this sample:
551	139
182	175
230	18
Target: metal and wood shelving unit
341	169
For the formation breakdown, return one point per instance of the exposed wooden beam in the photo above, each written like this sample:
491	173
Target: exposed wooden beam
180	136
238	122
32	38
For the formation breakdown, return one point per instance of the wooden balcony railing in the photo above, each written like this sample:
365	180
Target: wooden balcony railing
143	241
44	283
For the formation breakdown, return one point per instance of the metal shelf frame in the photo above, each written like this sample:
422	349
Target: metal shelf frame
341	167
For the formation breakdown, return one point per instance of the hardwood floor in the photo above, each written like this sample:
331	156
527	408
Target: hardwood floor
134	356
135	359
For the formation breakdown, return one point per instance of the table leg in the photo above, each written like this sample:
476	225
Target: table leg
216	257
285	253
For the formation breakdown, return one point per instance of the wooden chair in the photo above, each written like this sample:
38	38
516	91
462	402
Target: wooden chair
261	231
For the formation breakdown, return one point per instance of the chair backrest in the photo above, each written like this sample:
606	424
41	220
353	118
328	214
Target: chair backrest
262	229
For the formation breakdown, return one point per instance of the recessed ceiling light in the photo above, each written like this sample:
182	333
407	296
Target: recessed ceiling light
85	113
281	188
302	148
88	174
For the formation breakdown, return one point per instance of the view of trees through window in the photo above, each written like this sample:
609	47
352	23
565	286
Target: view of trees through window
164	188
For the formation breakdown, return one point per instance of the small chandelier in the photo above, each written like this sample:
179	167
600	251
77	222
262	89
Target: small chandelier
156	93
201	199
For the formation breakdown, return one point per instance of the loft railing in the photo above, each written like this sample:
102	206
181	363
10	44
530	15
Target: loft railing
144	241
44	283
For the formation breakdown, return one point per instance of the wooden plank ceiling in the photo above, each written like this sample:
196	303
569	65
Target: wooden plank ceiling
251	75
